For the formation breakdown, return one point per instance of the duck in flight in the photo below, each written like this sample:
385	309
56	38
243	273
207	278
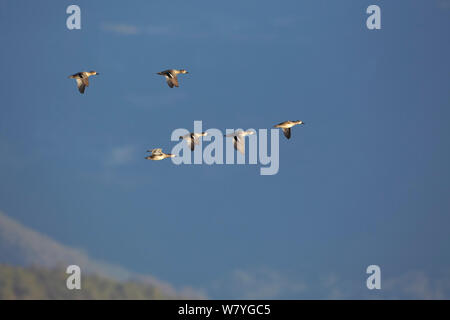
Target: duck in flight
193	139
82	79
171	76
239	139
157	154
286	127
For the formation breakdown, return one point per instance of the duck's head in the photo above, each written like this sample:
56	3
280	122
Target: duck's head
181	138
299	122
170	155
183	71
93	73
204	134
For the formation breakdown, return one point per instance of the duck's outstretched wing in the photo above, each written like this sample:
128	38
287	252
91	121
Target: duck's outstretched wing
169	83
287	132
235	133
81	86
190	142
85	80
196	138
157	151
239	144
167	73
171	77
172	81
75	75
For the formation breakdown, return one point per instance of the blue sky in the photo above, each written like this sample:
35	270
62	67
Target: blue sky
365	181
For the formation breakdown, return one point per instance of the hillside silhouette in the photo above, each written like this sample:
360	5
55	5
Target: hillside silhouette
32	266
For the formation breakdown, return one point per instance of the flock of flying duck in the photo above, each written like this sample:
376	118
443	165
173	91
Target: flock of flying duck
192	139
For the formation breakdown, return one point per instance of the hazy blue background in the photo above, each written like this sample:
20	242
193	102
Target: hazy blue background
365	181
